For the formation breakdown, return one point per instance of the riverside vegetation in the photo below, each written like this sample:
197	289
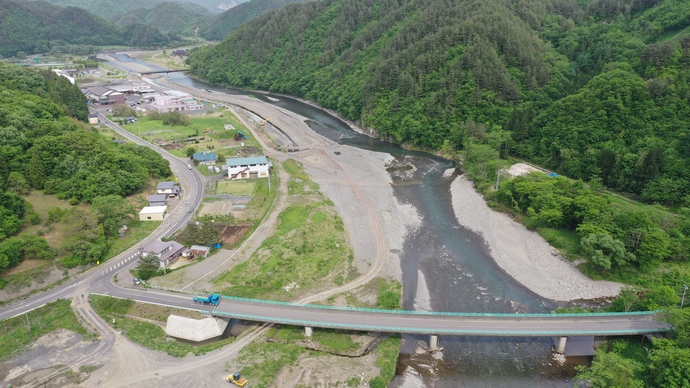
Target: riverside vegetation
594	90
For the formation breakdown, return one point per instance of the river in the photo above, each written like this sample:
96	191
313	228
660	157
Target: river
455	265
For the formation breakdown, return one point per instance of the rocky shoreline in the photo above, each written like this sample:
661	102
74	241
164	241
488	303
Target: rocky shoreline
523	254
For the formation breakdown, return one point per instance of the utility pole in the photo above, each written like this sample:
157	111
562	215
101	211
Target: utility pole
27	320
498	178
682	300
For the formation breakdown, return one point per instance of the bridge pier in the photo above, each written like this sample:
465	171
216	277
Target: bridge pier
559	344
308	331
433	344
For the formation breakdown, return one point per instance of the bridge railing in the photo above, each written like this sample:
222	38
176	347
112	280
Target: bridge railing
436	331
451	314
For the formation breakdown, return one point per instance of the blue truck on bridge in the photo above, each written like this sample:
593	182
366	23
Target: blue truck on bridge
213	299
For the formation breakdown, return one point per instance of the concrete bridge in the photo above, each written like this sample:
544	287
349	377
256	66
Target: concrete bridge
559	326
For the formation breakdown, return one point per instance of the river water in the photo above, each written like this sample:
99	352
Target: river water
451	261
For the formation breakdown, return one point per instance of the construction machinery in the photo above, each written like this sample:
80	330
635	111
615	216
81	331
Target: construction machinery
268	120
240	135
237	380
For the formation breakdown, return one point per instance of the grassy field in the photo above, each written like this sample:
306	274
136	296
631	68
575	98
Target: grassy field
237	188
148	334
204	132
138	230
308	251
15	334
264	360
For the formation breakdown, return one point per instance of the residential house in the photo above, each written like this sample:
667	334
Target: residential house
205	158
153	213
179	53
93	118
167	252
158	200
174	101
171	189
247	168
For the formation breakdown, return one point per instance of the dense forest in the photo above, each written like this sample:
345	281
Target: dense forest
178	18
227	22
593	90
44	146
36	27
110	9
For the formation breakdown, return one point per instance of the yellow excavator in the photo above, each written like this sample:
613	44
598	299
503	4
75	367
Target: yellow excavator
237	380
265	121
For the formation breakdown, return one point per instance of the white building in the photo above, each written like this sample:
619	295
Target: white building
247	168
153	213
174	100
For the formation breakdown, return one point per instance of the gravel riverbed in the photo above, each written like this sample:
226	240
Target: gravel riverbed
524	254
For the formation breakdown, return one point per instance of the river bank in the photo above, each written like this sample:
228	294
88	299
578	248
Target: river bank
524	254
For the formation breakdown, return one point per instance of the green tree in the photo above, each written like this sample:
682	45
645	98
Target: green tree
604	250
660	297
190	151
669	365
148	267
610	370
37	173
112	212
17	184
627	300
9	223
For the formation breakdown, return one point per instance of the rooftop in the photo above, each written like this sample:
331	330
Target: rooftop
234	162
153	210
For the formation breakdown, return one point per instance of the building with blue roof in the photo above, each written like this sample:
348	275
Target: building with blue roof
205	158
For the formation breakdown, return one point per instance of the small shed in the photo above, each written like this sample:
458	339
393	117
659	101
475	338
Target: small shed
153	213
158	200
93	118
199	250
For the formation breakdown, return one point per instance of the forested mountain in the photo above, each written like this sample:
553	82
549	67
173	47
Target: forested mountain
232	19
42	147
110	9
178	18
593	89
35	27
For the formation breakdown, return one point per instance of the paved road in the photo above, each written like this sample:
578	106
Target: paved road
528	325
192	184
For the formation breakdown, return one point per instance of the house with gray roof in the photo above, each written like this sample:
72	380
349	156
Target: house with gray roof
167	252
170	189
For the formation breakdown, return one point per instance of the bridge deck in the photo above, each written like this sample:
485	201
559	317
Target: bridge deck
533	325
